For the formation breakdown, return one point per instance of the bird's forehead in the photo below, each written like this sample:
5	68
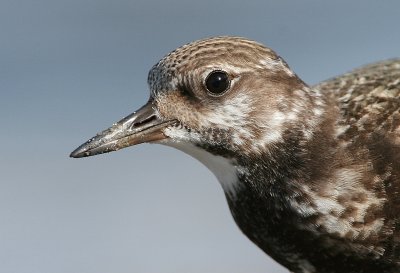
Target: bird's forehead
226	53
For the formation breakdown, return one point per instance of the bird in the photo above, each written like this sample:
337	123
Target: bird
311	174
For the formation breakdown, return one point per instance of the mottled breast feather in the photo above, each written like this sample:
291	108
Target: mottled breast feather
331	202
368	128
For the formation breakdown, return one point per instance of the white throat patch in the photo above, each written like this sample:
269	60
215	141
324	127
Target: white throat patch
221	167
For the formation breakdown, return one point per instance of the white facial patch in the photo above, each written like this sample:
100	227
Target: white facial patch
221	167
273	129
179	133
232	115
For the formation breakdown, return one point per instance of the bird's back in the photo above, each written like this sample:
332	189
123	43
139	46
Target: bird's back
368	100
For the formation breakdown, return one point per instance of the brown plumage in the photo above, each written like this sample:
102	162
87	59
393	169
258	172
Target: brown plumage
311	174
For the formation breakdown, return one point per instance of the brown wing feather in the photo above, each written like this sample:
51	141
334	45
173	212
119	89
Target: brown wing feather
369	103
369	98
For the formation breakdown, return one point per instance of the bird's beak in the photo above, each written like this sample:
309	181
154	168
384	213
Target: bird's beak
141	126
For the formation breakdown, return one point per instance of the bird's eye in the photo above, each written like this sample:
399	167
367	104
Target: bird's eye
217	82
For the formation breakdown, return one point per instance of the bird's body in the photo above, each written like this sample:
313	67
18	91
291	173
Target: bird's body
336	208
311	174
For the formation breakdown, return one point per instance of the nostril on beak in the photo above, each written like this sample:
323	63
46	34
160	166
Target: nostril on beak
141	122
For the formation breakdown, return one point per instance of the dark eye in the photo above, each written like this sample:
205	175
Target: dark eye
217	82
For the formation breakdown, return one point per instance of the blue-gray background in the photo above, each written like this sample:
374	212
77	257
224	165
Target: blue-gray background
69	68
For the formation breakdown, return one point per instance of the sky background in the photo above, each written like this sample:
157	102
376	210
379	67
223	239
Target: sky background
70	68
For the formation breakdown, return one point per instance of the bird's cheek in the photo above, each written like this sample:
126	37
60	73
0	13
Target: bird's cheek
182	133
175	107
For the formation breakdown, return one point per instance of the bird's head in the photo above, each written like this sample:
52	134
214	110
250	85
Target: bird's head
223	96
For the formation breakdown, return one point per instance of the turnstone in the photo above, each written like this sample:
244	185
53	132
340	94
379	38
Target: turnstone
311	174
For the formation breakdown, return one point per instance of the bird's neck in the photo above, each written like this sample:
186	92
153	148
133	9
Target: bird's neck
306	194
272	203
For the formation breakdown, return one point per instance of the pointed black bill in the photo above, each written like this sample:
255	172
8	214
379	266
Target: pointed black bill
141	126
